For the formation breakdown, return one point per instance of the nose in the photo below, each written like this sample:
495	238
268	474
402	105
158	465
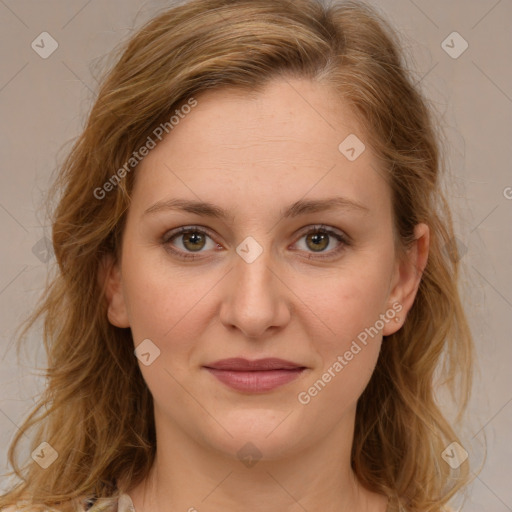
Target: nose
256	299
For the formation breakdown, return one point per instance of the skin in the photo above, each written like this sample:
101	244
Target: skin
253	155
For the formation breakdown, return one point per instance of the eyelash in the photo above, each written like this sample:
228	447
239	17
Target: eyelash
318	229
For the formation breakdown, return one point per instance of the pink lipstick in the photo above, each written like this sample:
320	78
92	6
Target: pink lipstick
255	376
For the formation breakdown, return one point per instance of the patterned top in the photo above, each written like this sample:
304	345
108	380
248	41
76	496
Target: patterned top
125	504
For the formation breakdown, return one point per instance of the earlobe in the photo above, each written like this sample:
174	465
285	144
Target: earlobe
407	278
110	278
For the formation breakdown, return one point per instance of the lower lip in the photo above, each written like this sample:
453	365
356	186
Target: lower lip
255	381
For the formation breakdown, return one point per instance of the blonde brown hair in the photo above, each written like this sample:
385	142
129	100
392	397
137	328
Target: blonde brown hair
97	411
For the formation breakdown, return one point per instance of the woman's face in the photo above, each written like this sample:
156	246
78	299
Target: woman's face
259	280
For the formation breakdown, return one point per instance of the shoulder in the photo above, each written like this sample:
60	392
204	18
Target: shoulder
21	508
445	508
125	503
26	508
79	506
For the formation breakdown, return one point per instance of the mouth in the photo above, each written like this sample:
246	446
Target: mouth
255	376
245	365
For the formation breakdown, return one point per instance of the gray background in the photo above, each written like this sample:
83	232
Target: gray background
43	104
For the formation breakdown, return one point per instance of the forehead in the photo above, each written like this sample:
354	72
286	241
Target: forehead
286	109
281	141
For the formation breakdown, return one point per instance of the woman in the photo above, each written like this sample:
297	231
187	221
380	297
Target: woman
254	288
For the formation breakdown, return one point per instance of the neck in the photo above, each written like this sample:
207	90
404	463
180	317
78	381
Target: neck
189	476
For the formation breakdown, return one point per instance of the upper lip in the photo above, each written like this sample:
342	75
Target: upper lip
241	364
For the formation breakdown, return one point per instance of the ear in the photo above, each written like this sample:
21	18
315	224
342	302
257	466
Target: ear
407	277
110	278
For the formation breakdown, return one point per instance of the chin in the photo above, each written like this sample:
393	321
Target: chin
256	435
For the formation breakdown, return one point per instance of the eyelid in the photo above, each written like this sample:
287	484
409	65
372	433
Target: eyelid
325	228
186	229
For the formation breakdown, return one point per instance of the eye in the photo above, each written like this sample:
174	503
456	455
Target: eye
192	239
319	238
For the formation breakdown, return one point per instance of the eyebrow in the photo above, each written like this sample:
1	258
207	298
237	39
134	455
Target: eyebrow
300	207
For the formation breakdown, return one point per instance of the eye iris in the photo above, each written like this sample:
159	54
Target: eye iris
194	238
318	239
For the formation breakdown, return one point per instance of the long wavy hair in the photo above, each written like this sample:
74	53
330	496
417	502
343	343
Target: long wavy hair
96	411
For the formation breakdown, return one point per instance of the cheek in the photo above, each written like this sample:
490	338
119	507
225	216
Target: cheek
349	309
350	301
348	348
169	310
164	303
